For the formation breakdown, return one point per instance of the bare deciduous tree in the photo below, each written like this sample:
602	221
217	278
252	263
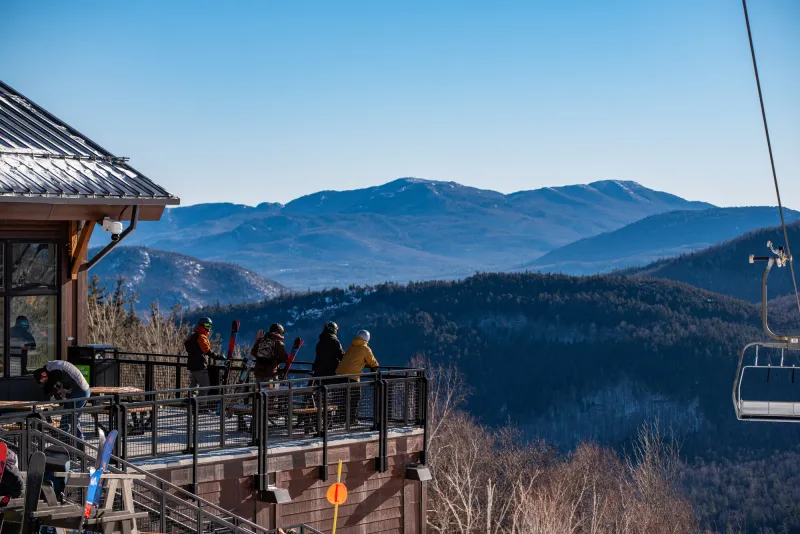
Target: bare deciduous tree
495	481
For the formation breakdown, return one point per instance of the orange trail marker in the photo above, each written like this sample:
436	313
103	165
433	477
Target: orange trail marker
337	494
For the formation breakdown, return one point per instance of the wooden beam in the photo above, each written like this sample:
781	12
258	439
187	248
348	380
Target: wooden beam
81	247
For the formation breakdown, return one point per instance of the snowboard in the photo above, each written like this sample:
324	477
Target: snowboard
95	476
295	348
33	488
99	494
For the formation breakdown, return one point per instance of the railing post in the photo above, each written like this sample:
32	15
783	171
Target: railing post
323	469
178	381
163	510
384	437
380	421
423	457
289	414
149	377
194	406
406	400
122	431
263	448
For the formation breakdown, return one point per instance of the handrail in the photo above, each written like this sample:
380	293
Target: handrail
159	481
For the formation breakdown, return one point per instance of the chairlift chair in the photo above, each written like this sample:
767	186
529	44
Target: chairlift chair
767	410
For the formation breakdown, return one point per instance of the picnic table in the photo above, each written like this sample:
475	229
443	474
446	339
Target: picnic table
115	390
137	419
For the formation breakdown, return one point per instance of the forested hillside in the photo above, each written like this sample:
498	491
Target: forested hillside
725	268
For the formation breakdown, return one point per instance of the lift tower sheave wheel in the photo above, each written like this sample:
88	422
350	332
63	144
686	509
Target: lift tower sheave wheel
767	410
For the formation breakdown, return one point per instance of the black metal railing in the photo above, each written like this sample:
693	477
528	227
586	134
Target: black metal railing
170	508
184	421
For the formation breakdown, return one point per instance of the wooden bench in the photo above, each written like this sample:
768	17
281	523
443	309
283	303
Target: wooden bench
241	410
54	420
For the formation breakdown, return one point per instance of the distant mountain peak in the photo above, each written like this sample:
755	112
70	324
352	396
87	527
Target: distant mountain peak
171	278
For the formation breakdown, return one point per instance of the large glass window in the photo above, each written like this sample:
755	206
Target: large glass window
33	266
28	306
33	333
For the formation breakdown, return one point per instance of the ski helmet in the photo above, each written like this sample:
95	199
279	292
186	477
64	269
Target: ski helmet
205	322
363	334
276	329
331	327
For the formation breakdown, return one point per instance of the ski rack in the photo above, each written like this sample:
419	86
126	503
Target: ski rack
768	411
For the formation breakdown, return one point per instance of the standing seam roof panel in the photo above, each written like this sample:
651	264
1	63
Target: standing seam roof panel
42	156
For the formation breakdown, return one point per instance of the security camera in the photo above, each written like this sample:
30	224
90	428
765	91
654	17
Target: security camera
112	226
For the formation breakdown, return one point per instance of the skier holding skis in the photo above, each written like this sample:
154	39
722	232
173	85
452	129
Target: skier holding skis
329	351
357	357
62	380
269	352
199	349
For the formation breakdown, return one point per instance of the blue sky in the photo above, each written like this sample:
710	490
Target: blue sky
269	100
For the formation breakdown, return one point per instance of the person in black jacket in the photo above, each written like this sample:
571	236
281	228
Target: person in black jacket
329	351
62	380
198	347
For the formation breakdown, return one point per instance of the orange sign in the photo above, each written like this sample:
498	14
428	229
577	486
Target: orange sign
337	493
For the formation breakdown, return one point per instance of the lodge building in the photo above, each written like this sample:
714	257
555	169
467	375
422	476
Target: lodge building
261	458
56	188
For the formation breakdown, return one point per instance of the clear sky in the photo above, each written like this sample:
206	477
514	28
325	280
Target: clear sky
269	100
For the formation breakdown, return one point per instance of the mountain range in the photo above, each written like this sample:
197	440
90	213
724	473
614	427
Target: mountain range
408	229
168	279
656	237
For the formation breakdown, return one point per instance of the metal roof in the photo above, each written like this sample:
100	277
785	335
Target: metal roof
42	159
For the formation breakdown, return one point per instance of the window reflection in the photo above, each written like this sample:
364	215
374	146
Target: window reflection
32	335
33	266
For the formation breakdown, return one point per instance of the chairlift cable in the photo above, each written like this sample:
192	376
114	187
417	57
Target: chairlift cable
771	158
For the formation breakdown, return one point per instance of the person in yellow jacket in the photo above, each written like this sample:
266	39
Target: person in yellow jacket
357	356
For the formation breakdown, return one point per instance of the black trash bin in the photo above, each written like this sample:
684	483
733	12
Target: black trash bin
214	379
97	363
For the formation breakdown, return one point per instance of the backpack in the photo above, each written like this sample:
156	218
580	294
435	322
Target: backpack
266	349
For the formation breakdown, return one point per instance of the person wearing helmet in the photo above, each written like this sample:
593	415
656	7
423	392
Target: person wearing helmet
355	359
269	352
329	351
199	349
22	341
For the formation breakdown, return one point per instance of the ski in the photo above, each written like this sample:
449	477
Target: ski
249	363
95	476
33	488
295	348
231	347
